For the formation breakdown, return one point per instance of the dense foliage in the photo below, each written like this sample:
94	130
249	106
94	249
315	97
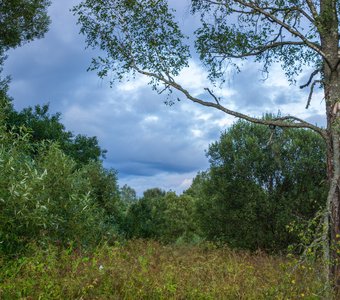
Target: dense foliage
260	180
45	126
49	197
162	216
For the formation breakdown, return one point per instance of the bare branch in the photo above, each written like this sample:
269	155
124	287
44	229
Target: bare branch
212	94
311	92
312	9
288	121
315	72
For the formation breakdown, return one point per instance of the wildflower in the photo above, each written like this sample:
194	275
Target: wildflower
293	281
101	267
302	295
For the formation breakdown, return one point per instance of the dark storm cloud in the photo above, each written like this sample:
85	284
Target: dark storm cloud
144	140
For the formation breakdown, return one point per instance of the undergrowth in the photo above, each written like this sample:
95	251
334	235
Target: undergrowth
149	270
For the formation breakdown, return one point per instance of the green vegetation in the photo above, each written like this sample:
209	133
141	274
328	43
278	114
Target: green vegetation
68	231
260	180
148	270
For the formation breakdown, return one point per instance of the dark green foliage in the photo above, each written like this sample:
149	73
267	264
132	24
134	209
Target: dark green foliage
49	197
162	216
84	149
22	21
45	126
105	191
145	217
260	180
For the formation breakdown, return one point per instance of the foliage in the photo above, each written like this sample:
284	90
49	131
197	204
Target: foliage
105	192
22	21
45	126
148	270
47	198
260	180
134	34
128	194
162	216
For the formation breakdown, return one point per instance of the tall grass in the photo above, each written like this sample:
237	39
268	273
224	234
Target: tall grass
148	270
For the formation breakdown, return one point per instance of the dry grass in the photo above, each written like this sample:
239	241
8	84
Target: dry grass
149	270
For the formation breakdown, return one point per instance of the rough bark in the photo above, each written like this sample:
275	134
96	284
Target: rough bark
328	29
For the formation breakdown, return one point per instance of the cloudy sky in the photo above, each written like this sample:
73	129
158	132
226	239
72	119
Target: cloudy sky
149	144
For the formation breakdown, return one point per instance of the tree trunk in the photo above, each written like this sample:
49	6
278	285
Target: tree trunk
332	97
329	36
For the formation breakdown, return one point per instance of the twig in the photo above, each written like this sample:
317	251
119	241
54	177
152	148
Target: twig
212	94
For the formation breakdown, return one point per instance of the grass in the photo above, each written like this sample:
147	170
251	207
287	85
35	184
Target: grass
148	270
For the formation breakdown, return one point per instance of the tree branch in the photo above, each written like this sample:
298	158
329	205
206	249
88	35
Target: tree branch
213	95
312	9
288	121
311	92
310	78
260	50
290	29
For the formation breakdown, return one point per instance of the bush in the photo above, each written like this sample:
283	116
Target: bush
47	199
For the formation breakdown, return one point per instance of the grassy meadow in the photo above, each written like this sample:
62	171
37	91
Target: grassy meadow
140	269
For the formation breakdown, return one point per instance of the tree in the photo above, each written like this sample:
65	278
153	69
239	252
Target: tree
145	217
48	127
163	216
21	21
260	180
142	36
127	194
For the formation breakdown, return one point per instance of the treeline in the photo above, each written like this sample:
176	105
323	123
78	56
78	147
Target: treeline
262	189
55	190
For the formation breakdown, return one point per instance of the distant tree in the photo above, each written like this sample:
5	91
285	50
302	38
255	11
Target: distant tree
163	216
142	36
128	194
153	193
46	126
260	180
145	218
85	149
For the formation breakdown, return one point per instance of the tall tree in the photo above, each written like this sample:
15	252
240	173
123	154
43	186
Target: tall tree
142	36
260	181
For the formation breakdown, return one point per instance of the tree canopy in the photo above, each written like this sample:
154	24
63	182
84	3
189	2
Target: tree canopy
257	185
22	21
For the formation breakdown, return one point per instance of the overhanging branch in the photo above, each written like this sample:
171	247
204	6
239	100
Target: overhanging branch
287	121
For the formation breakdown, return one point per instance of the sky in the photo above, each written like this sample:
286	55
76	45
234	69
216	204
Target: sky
149	143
